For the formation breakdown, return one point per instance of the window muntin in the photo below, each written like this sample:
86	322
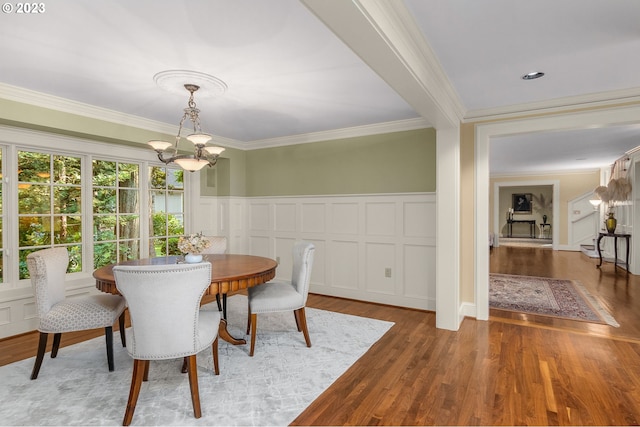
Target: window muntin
166	210
116	212
49	206
44	172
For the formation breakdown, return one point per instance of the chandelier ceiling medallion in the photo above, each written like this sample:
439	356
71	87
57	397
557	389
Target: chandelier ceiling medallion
204	155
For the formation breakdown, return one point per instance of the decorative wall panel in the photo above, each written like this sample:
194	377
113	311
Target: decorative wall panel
313	218
285	217
344	218
5	315
381	219
345	268
419	219
259	217
360	240
380	260
260	246
419	270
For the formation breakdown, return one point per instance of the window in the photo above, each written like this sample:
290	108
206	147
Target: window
166	210
89	199
116	212
49	206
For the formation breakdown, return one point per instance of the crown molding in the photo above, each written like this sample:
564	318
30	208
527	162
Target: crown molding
38	99
52	102
543	173
356	131
559	105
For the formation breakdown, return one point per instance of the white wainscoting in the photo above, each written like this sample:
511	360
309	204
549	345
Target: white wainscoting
357	239
17	305
360	241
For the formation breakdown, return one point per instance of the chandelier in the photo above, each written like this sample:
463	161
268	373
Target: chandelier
203	155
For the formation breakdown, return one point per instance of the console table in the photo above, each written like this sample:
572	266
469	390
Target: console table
531	222
615	246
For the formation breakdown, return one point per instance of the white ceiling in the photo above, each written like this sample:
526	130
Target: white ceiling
295	69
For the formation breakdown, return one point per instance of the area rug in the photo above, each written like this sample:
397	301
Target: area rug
272	388
546	296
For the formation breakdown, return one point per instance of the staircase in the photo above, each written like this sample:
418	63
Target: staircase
589	250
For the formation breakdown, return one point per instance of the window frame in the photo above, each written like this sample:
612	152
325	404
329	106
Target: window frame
50	216
118	240
13	140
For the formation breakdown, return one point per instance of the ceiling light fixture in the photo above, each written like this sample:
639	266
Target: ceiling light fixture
532	76
203	156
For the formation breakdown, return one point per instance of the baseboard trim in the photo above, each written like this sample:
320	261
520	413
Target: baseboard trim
468	309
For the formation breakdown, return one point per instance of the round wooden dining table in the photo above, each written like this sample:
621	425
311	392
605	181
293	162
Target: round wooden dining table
229	273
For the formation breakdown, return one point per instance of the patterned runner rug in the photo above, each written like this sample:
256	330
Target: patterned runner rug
270	389
547	297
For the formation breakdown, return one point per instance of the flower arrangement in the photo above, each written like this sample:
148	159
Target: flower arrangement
193	243
542	205
618	190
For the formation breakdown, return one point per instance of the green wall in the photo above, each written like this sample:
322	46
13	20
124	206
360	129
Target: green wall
395	162
387	163
44	119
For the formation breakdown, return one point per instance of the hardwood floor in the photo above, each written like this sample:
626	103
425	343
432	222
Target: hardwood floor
510	370
617	291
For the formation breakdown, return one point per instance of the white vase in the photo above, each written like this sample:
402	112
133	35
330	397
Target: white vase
192	258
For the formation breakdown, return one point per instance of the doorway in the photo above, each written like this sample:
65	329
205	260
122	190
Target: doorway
544	213
483	135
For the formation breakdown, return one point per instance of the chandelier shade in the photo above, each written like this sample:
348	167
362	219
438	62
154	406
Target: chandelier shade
203	155
199	138
190	163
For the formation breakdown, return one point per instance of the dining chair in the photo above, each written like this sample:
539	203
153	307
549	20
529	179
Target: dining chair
218	246
58	314
167	321
284	295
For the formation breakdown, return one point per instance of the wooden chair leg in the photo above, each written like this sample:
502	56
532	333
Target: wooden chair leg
42	347
108	334
301	319
297	317
145	377
123	337
248	318
184	365
136	382
56	345
214	349
254	324
193	385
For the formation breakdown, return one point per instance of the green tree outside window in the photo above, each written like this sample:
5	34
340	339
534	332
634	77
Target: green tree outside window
49	206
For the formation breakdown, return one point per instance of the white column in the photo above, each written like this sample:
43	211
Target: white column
448	229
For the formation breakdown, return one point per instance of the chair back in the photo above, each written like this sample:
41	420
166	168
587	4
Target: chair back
164	306
302	264
48	269
218	245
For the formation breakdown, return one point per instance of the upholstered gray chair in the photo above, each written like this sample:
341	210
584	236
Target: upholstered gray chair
167	321
277	295
58	314
218	246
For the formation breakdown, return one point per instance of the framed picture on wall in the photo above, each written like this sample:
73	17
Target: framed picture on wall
521	203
